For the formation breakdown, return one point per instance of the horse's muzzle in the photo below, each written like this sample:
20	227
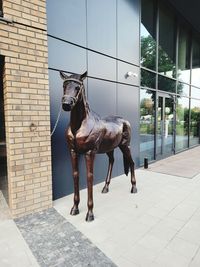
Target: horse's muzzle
67	103
66	107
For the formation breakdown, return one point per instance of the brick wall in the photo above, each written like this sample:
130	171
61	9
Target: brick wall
26	99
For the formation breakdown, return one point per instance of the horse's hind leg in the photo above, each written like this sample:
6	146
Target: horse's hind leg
109	173
128	160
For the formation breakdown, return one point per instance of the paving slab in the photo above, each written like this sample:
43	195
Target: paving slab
185	164
14	251
158	226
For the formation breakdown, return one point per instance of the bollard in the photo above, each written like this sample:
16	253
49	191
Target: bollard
145	163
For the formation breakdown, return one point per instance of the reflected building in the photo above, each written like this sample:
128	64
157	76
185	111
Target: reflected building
170	74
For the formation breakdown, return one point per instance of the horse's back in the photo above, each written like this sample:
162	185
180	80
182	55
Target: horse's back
116	129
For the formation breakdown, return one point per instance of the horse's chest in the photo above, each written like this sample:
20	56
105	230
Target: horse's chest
82	141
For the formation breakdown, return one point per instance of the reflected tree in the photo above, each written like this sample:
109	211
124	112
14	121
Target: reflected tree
148	60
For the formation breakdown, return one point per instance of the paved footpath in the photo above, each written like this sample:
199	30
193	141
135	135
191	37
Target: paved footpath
157	227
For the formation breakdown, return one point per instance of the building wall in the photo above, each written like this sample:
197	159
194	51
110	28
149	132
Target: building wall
26	102
101	37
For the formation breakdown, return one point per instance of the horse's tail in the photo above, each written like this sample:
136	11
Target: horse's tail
126	142
126	165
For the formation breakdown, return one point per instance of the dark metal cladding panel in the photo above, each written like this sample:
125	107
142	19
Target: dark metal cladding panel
101	26
64	56
67	20
128	108
102	97
101	66
128	73
128	30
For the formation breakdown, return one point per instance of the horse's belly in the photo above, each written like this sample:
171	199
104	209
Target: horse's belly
109	142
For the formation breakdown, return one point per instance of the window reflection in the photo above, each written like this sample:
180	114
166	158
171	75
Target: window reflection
184	55
167	43
148	35
196	62
166	84
147	127
1	11
183	89
148	79
195	92
182	119
194	122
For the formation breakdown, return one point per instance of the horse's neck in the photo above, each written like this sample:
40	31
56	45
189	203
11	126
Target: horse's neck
78	114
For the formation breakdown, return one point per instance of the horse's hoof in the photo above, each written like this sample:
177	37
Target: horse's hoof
74	211
89	217
105	190
134	190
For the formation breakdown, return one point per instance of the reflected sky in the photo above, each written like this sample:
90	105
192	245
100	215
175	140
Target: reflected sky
196	77
195	92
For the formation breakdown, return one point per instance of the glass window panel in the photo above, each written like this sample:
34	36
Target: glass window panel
1	10
166	84
196	62
182	119
147	126
195	92
148	79
194	122
183	89
167	43
184	55
148	34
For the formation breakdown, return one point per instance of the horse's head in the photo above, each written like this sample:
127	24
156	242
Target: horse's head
72	89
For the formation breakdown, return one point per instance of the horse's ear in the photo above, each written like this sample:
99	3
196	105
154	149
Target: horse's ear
84	75
63	75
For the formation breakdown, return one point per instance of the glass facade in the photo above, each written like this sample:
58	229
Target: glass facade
183	71
195	62
147	124
182	119
167	44
170	82
1	10
148	35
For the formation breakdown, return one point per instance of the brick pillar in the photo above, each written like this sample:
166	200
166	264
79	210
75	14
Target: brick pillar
26	98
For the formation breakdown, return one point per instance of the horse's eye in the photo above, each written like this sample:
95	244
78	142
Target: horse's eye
77	88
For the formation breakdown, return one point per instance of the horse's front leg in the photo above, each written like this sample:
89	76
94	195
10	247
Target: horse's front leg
74	160
89	157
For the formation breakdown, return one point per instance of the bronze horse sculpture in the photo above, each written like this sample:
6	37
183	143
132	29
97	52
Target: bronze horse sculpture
89	134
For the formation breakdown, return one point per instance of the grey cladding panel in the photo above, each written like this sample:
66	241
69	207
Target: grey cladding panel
67	20
102	97
101	23
65	56
134	72
128	108
101	66
128	30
